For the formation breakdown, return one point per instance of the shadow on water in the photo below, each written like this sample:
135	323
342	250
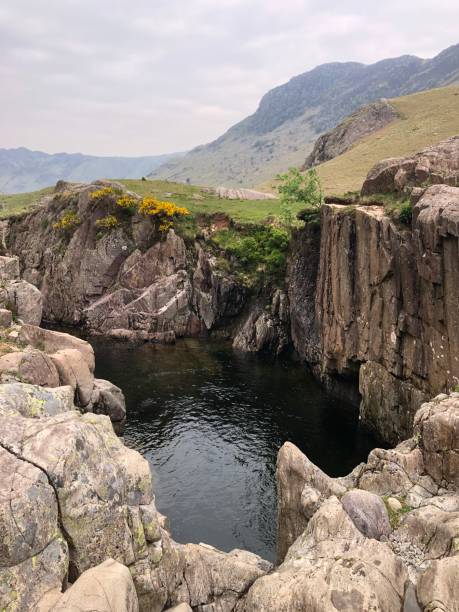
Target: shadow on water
210	422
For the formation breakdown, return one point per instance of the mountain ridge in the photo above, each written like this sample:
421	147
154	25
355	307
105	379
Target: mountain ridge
24	170
290	117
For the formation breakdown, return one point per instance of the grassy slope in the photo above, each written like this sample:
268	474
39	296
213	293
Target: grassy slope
248	211
20	202
196	200
425	119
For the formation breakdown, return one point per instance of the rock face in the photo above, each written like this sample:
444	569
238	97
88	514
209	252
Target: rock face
344	554
129	282
378	303
433	165
18	296
363	122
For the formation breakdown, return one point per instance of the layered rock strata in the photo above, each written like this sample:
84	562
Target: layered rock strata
376	301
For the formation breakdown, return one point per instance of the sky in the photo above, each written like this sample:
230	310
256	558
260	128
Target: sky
145	77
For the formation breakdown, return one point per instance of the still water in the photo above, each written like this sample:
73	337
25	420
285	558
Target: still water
210	422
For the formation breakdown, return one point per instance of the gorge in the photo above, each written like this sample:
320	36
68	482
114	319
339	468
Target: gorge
368	301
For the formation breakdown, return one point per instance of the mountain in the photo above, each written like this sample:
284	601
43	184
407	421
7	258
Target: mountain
291	117
421	120
22	170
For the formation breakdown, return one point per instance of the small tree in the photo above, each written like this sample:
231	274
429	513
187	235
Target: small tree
297	188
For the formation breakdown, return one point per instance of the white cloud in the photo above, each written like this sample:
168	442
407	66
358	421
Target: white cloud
142	77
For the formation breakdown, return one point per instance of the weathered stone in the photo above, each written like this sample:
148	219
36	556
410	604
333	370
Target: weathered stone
52	341
330	567
34	367
9	268
73	371
301	486
438	586
33	402
6	317
435	164
108	399
108	587
367	512
26	301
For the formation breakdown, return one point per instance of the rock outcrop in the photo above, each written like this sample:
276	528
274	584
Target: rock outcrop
438	164
363	122
340	548
377	301
128	281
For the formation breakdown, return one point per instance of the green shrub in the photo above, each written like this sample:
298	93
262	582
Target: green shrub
263	250
297	188
405	213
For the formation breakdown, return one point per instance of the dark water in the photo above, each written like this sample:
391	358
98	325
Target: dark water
210	422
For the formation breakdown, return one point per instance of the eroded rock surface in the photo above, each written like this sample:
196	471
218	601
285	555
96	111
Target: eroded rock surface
131	282
379	304
433	165
355	550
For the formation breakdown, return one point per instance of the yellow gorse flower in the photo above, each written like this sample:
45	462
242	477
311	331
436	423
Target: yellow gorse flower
108	222
100	194
67	220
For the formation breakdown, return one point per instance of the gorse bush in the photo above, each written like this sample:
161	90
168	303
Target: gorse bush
68	220
163	213
108	222
127	202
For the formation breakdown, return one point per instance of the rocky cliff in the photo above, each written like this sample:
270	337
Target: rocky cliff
376	300
132	281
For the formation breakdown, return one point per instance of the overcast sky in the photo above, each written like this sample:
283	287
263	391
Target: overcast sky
141	77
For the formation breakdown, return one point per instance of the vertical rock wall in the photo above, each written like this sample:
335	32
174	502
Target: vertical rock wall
383	306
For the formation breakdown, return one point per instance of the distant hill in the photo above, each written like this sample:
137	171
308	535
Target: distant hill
423	119
289	118
22	170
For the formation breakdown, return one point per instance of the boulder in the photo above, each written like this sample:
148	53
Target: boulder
34	402
6	317
51	341
368	513
330	567
74	371
108	399
108	587
301	487
26	301
434	164
34	367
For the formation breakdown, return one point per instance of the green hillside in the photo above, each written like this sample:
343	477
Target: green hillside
426	118
196	199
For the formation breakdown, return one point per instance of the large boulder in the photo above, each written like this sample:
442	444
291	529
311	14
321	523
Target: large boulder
332	566
108	587
368	513
436	164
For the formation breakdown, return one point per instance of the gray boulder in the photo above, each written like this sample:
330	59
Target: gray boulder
368	513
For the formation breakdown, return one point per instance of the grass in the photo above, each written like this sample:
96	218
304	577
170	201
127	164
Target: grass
196	199
199	201
20	202
425	119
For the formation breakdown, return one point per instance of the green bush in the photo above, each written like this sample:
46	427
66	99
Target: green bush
405	214
263	250
297	188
